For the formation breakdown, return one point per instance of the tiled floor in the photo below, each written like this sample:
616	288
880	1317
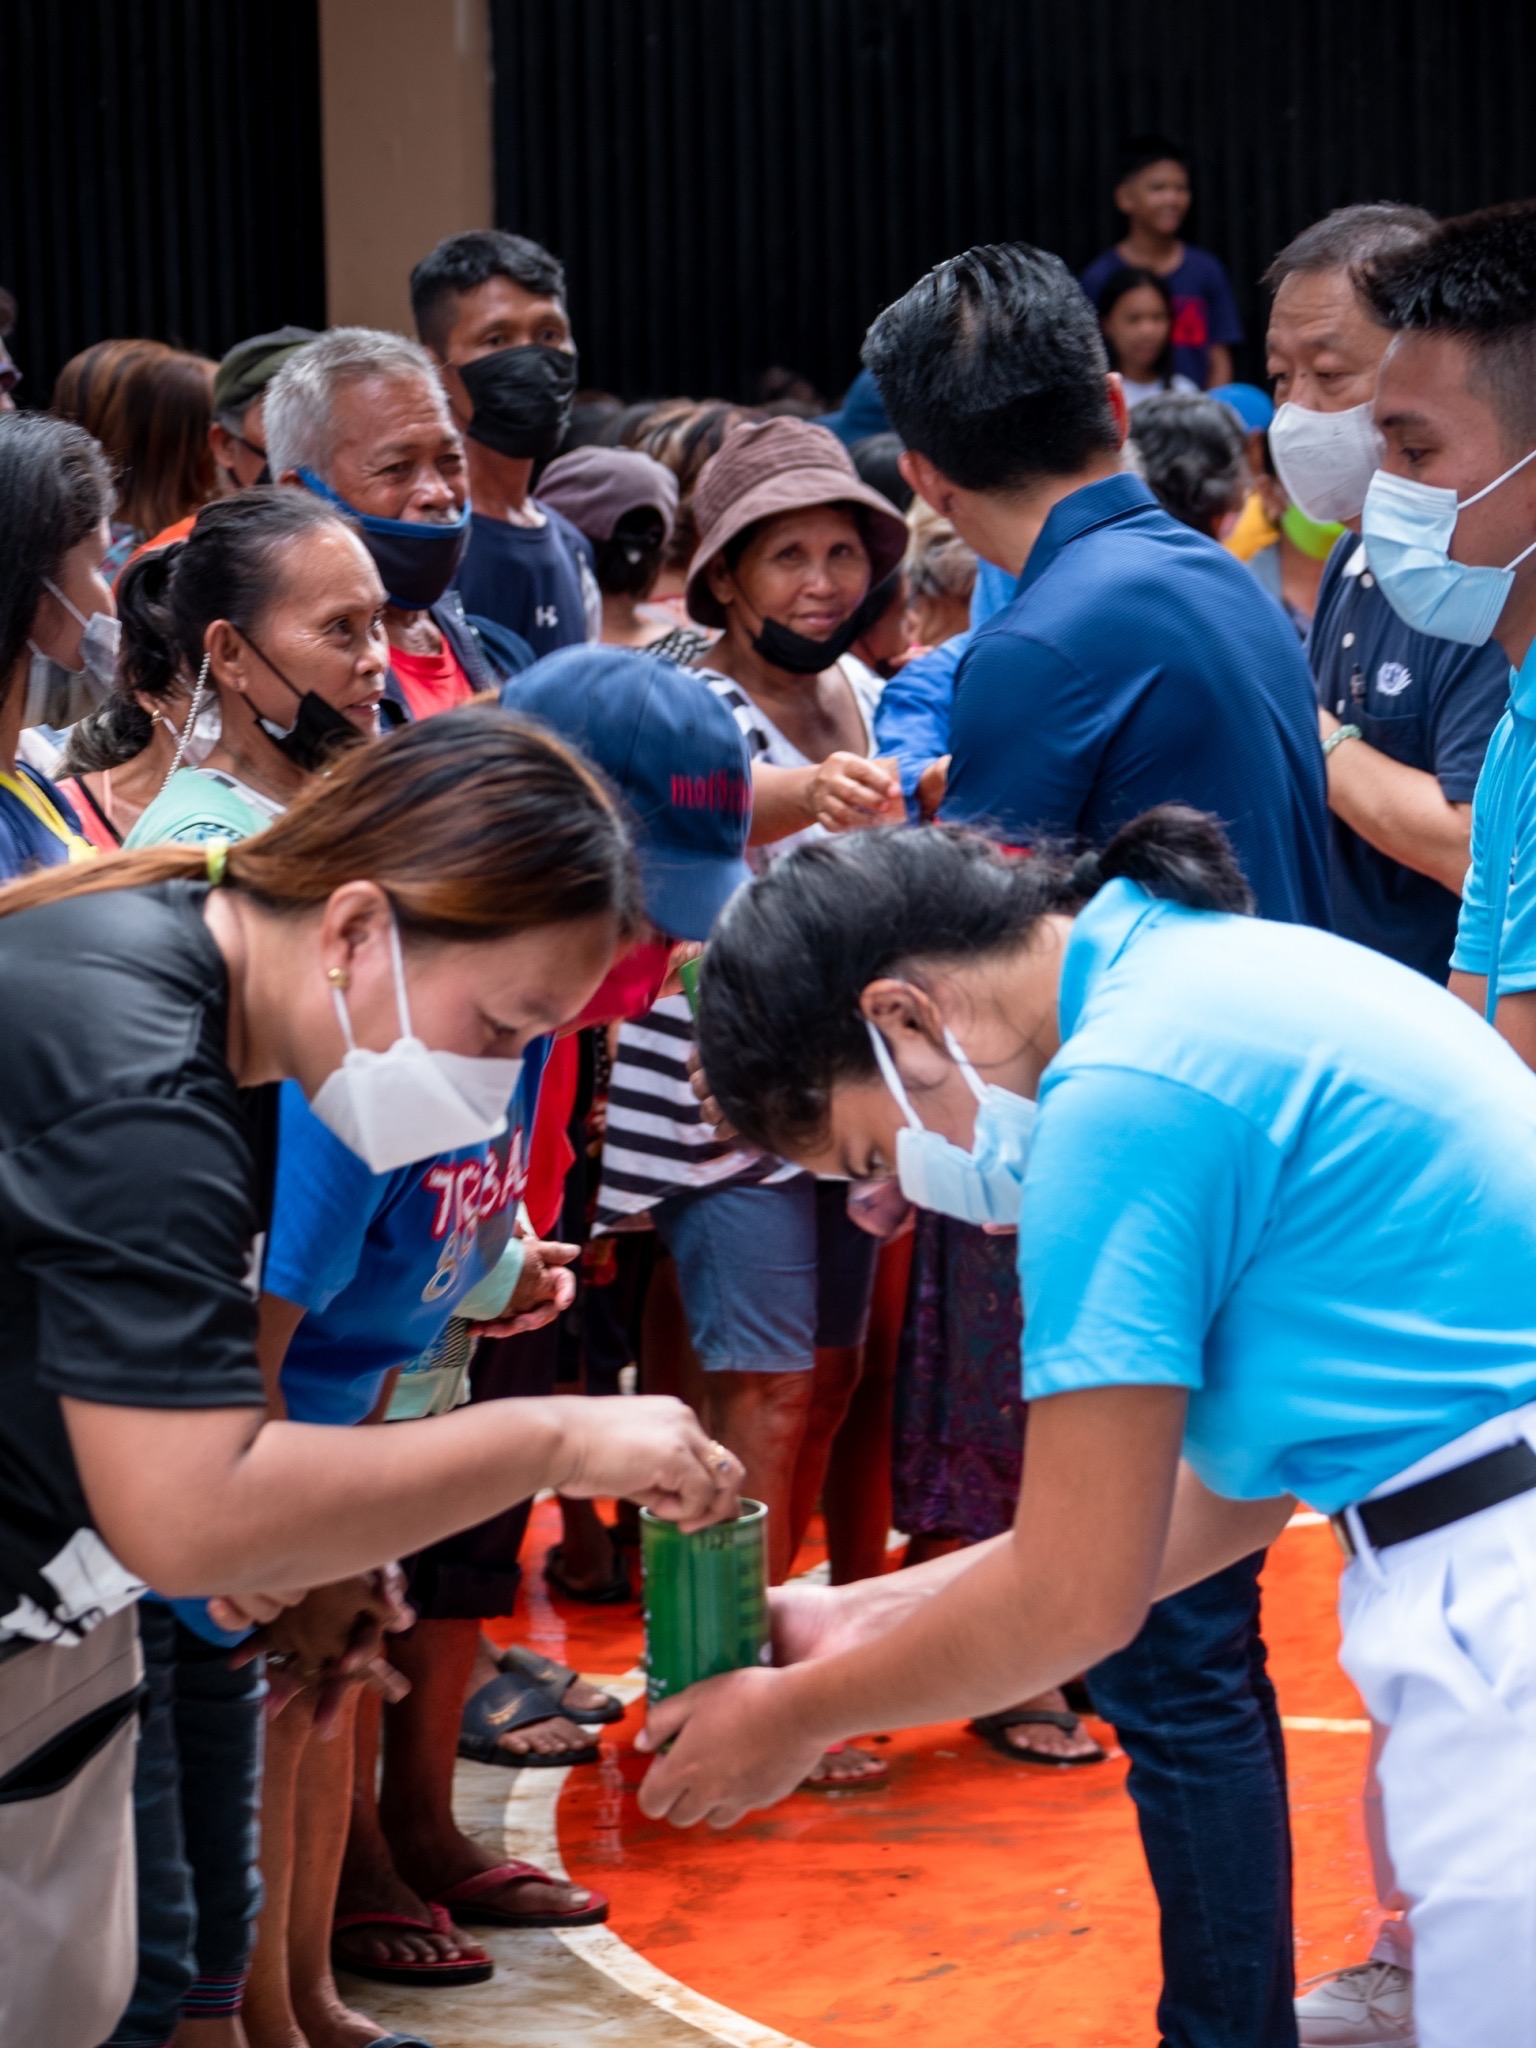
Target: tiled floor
974	1901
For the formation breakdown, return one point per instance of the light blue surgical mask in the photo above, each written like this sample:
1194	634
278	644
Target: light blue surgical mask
984	1185
1407	528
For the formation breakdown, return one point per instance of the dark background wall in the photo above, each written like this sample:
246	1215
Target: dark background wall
734	183
159	173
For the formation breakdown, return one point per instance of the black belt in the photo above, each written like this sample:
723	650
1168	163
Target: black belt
1448	1497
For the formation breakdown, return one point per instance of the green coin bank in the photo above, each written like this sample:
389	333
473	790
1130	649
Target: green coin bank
706	1598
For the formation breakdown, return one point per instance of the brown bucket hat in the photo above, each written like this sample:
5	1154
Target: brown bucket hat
782	465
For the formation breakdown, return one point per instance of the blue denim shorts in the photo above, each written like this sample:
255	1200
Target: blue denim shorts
769	1273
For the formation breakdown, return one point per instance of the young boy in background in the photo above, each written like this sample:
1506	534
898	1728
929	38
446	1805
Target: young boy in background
1153	195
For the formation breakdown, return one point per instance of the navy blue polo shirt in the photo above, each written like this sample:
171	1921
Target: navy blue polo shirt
1431	704
1140	664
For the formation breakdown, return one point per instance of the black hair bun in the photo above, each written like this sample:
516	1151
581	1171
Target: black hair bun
1087	875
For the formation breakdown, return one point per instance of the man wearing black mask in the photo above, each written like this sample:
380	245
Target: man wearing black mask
358	417
490	309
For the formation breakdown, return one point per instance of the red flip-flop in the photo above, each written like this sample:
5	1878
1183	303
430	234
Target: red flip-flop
867	1781
464	1900
444	1971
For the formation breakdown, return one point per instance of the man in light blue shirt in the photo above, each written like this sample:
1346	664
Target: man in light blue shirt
1456	405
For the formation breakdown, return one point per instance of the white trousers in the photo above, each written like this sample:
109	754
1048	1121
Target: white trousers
1440	1638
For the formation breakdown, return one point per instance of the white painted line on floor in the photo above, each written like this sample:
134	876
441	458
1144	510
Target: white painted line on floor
610	1953
1306	1518
1321	1724
531	1830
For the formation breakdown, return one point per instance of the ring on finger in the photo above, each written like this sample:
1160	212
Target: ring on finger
720	1460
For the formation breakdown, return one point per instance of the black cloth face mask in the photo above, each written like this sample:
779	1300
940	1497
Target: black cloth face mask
319	730
786	649
522	399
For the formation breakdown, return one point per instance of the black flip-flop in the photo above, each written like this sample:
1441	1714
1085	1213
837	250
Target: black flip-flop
617	1593
557	1680
510	1701
993	1730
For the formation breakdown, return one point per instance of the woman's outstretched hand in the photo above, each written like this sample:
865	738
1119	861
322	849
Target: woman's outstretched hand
735	1746
652	1449
847	792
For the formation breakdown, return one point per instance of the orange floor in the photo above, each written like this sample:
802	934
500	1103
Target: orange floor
974	1900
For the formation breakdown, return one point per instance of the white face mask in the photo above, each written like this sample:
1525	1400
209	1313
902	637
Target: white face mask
984	1185
198	734
1325	459
393	1108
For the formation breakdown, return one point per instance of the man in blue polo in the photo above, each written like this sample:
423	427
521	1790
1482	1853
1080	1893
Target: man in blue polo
1138	663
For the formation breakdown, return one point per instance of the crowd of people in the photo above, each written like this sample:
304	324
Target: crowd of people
1091	784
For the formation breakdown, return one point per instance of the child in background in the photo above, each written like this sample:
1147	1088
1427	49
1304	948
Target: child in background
1136	314
1153	195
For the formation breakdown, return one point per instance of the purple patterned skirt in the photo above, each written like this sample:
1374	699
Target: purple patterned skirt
958	1449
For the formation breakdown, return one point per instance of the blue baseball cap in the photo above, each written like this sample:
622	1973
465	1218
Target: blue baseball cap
1254	408
861	413
676	756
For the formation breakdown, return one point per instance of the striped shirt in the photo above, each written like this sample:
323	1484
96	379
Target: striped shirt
656	1142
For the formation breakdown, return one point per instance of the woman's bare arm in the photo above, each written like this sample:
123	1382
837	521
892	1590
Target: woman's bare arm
1071	1584
218	1500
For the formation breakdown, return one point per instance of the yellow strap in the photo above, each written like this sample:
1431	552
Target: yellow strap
26	792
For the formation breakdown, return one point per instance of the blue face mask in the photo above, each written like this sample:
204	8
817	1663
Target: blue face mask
416	559
1407	529
984	1185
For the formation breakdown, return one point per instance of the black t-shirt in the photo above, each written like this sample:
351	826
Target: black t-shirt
1431	704
134	1186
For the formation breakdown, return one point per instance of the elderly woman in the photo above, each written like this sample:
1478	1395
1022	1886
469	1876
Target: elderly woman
790	544
1192	456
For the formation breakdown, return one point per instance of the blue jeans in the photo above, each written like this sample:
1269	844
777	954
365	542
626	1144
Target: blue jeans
1192	1703
196	1801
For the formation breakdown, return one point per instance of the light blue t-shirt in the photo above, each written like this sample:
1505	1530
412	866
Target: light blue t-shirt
1286	1173
1504	840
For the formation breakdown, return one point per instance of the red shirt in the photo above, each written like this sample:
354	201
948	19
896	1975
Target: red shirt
431	682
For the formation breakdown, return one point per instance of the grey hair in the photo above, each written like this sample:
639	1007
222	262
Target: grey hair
299	430
939	563
1192	453
1348	237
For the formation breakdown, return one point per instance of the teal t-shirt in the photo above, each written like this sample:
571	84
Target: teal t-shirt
198	804
1291	1175
1504	843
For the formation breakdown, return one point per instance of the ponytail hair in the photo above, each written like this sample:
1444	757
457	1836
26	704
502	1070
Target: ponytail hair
1180	855
780	1025
475	824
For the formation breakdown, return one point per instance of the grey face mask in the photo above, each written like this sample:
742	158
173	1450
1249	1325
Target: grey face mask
58	696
